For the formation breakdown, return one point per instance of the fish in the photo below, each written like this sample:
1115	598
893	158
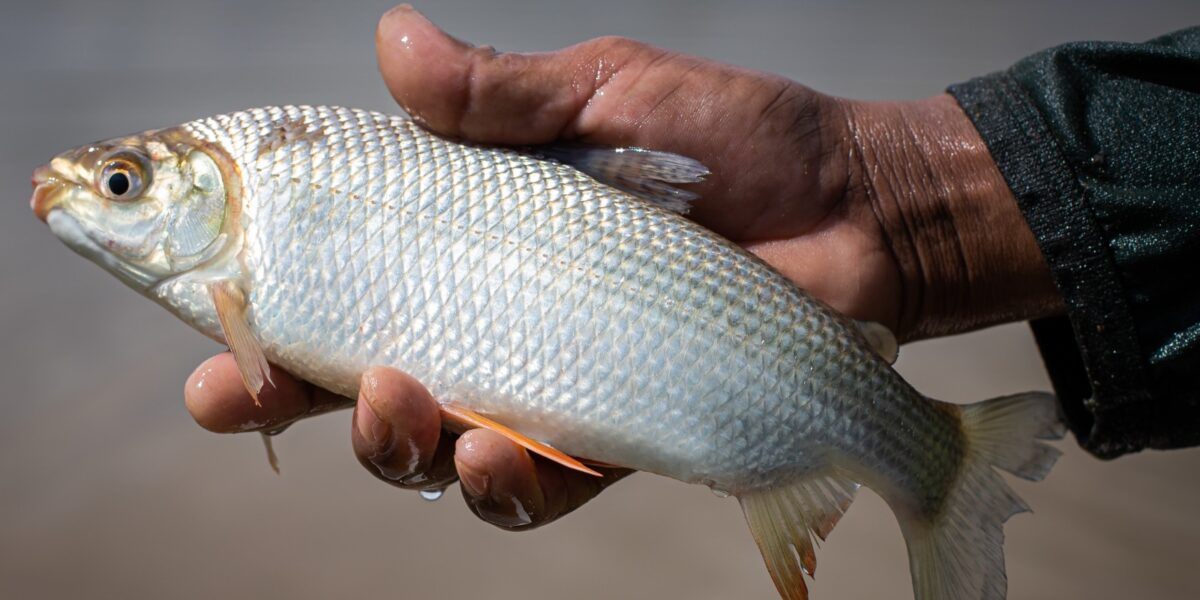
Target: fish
560	296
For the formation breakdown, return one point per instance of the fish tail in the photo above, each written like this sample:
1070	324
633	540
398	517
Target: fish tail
957	551
955	547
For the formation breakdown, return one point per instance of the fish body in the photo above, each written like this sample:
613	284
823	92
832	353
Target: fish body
328	240
630	335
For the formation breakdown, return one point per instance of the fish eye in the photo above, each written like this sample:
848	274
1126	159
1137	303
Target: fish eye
123	176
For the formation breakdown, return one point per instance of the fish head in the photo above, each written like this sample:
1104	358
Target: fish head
144	207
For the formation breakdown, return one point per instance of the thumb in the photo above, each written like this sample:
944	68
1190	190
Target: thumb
460	90
767	140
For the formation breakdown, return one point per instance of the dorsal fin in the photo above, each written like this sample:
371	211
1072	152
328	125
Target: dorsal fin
647	174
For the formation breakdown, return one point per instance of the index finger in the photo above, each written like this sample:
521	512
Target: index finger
218	401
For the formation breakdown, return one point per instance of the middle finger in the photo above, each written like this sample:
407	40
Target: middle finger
397	433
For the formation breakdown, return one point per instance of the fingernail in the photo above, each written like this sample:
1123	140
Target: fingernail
405	12
393	19
268	427
398	14
507	513
520	515
399	9
373	429
475	483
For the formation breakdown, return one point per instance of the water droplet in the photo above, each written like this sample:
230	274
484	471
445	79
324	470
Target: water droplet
431	495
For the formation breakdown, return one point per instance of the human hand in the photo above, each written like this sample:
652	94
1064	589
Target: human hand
888	211
397	435
891	212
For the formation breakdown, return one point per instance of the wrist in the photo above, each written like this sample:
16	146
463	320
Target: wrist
966	257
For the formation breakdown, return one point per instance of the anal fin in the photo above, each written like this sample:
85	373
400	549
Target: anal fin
465	416
785	520
230	302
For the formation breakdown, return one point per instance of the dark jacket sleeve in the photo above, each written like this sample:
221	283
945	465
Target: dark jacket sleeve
1100	143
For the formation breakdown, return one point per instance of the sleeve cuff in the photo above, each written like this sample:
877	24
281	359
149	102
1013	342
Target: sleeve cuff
1092	354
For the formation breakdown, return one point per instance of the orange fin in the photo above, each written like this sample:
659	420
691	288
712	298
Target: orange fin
599	463
465	416
786	518
247	353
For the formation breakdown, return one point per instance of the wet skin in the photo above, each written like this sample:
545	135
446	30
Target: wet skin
891	212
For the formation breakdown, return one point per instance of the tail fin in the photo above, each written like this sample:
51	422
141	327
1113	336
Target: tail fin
959	554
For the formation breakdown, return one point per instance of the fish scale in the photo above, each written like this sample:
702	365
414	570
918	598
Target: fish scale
548	304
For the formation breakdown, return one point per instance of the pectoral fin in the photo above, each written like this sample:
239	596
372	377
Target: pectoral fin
272	458
247	353
464	416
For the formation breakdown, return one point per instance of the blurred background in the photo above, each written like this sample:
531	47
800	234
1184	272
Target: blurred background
108	490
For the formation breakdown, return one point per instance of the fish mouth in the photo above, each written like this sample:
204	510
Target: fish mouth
68	229
46	187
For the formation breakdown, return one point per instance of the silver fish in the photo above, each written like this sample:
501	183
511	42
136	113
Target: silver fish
532	296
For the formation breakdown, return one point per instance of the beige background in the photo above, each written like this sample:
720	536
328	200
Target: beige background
107	489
